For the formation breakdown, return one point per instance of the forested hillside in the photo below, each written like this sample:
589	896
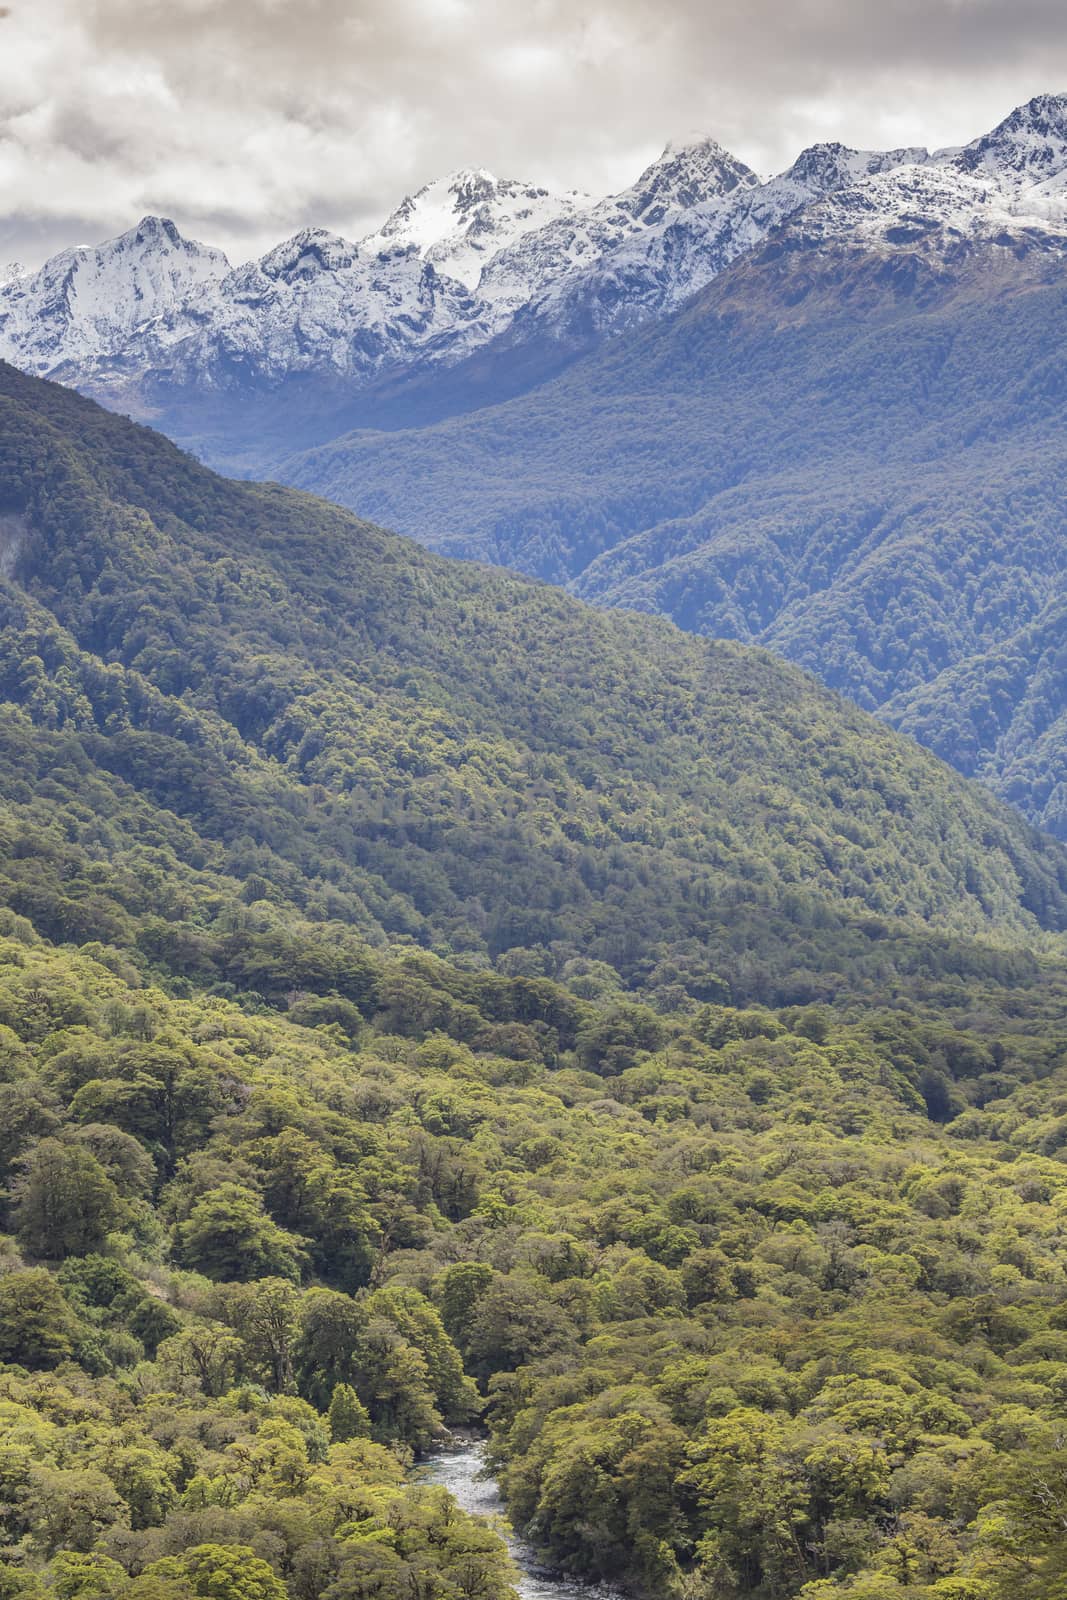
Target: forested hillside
426	1002
344	727
1003	716
854	458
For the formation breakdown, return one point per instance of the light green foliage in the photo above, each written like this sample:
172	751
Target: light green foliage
228	1235
725	1340
221	1572
347	1415
37	1326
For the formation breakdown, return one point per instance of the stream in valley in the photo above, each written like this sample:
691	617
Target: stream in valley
459	1471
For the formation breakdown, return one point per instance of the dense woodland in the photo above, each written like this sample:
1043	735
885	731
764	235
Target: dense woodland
427	1004
855	462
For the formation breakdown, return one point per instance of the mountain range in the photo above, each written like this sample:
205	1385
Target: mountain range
421	750
820	413
848	447
475	266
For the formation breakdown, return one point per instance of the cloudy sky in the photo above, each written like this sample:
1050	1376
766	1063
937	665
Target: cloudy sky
245	119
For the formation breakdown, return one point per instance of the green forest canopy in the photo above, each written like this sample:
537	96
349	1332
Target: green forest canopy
424	1002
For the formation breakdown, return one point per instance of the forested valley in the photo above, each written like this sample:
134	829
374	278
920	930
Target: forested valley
426	1003
852	458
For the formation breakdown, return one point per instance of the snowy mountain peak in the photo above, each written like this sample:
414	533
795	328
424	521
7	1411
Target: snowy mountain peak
158	236
154	230
459	221
831	165
471	259
473	185
688	173
308	253
1039	121
85	303
1027	152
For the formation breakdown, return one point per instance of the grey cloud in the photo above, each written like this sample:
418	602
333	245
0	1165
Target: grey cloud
248	118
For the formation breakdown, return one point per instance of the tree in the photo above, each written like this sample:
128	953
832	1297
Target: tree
514	1323
394	1382
37	1326
347	1415
221	1572
27	1112
752	1500
458	1290
124	1158
64	1202
204	1356
145	1476
151	1321
229	1236
263	1314
331	1329
70	1507
305	1191
76	1576
413	1315
706	1277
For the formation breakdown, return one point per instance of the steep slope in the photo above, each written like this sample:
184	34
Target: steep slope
645	252
499	278
848	448
88	303
539	271
290	347
424	750
1004	713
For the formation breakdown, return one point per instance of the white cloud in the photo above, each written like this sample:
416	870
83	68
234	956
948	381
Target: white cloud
245	119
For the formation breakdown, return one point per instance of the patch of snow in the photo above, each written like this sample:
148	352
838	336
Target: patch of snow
460	222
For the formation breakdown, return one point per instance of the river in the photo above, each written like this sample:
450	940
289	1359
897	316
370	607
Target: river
459	1470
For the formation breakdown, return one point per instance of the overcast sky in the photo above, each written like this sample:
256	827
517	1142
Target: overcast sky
245	119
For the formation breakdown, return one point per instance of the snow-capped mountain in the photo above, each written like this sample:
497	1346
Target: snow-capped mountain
1009	186
90	303
1025	155
538	268
460	222
314	303
640	273
473	260
318	302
